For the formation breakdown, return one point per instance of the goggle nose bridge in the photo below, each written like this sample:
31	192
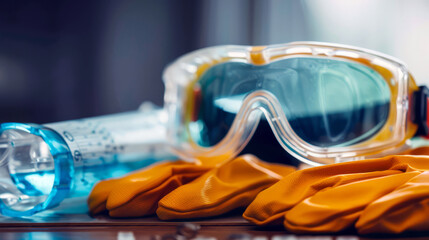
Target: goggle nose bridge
267	103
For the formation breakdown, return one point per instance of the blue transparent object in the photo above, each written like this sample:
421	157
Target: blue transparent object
40	165
63	172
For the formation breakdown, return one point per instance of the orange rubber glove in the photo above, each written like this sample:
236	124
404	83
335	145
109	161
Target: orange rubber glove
229	186
333	197
138	193
405	209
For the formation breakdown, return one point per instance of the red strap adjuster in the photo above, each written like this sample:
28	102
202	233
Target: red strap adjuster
421	111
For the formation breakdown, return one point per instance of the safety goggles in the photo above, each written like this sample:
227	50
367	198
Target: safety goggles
325	103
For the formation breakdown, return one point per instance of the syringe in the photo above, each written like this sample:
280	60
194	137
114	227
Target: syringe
40	165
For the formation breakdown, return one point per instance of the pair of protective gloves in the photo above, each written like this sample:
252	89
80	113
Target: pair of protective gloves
384	195
179	190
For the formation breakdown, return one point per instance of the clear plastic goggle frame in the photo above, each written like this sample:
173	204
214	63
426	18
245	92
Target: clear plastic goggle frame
182	75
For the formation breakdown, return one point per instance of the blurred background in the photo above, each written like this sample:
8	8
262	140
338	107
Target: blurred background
68	59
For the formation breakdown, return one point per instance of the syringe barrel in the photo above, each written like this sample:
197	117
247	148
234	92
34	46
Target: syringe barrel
40	165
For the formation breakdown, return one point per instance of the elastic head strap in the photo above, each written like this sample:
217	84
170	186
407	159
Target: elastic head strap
421	111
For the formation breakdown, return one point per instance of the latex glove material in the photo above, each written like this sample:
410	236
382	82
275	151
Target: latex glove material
229	186
138	193
405	209
333	197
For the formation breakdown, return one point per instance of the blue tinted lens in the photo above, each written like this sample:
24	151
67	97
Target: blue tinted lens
327	102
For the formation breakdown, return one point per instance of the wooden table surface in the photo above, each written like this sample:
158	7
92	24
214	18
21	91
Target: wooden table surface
71	221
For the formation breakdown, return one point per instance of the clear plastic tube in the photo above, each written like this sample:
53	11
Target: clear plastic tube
40	165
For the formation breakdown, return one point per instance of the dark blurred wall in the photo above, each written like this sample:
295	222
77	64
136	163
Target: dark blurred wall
139	39
28	35
68	59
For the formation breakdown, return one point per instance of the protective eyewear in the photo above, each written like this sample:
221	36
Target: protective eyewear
325	103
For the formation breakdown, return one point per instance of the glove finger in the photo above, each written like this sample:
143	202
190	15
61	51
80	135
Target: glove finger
138	194
114	193
337	208
405	209
98	196
229	186
271	204
145	203
143	180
